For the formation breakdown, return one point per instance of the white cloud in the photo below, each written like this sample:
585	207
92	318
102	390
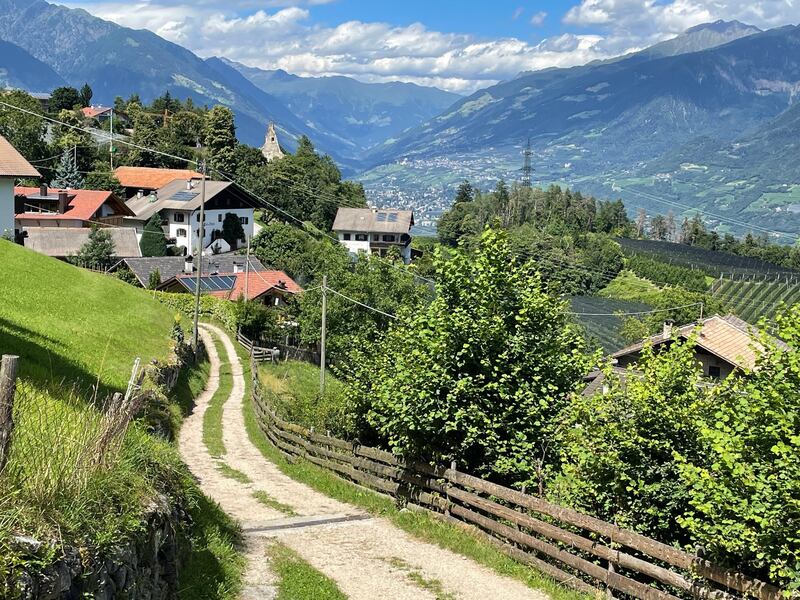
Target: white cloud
538	19
281	34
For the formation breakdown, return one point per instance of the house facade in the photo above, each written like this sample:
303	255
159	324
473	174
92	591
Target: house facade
178	204
12	166
45	207
375	231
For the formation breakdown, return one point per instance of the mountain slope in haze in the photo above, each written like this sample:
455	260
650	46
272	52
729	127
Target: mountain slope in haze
118	61
18	69
605	126
365	113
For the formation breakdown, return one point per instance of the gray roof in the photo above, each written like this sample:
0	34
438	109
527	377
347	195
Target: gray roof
67	241
384	220
175	196
171	266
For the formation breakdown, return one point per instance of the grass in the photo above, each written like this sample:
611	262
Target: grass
298	579
227	471
628	286
212	419
421	525
434	586
269	501
294	389
71	324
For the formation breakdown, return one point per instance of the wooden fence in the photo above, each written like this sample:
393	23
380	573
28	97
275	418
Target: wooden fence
264	354
258	353
578	550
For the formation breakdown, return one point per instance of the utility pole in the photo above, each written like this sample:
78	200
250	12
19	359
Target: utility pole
324	333
111	143
199	255
527	168
247	273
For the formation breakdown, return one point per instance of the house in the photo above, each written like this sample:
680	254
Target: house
100	113
271	150
140	181
178	203
44	100
271	288
63	242
374	230
723	345
12	167
43	207
169	267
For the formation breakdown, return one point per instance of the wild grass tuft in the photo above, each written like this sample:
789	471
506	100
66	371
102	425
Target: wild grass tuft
298	579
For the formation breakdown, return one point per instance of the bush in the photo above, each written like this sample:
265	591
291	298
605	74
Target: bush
216	309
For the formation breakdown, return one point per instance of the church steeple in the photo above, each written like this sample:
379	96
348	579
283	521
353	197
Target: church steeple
271	148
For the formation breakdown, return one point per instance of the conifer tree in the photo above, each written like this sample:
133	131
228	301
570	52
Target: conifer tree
67	175
98	251
154	242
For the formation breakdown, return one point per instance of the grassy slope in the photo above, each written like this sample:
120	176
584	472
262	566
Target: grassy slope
68	323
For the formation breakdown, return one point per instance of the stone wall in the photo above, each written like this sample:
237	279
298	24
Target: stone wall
144	568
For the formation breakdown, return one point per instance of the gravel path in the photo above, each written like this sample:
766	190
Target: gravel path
367	557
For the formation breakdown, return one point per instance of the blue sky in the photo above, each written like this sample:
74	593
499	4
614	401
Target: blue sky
461	46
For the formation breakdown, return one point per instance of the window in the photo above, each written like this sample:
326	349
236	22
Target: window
362	237
181	232
178	216
219	218
245	220
388	238
714	372
198	217
346	237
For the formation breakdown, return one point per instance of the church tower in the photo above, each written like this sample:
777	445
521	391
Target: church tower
271	148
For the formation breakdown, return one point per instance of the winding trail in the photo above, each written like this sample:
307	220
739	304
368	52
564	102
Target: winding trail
367	557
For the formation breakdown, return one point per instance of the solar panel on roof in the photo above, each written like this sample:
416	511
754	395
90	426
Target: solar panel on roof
211	283
184	196
381	217
392	217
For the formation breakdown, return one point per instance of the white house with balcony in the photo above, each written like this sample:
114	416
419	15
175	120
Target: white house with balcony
178	204
374	230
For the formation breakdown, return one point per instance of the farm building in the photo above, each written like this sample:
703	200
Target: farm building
169	267
272	288
12	166
63	242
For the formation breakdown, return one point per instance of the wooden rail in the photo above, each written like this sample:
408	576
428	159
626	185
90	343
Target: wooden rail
258	353
573	548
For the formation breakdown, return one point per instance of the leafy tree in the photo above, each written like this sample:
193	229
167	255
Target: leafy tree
232	230
78	143
64	98
25	131
219	134
67	175
153	242
126	275
286	248
256	321
86	94
618	448
98	251
479	374
743	487
154	280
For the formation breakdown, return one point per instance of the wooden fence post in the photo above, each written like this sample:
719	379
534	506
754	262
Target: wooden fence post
8	387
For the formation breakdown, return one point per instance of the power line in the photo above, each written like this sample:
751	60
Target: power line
367	306
636	314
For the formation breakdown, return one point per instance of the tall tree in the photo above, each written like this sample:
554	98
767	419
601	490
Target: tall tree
219	134
86	94
465	193
64	98
98	251
67	175
24	130
153	242
232	230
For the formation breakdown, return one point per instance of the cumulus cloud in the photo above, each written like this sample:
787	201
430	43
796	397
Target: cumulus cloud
280	34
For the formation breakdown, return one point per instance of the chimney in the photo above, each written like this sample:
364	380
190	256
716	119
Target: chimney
153	197
238	267
188	265
43	190
63	200
140	194
189	184
667	332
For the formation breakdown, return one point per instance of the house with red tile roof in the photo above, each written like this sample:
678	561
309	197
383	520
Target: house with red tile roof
272	288
101	113
140	181
44	207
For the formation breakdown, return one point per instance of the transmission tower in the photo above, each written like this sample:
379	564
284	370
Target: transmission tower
527	168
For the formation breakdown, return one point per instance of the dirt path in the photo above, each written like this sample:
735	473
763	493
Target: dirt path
368	557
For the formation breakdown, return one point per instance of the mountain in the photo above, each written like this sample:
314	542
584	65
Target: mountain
701	37
118	61
18	69
363	113
611	128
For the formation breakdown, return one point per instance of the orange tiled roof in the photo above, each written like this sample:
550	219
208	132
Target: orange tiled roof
12	163
91	112
83	204
258	284
149	178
